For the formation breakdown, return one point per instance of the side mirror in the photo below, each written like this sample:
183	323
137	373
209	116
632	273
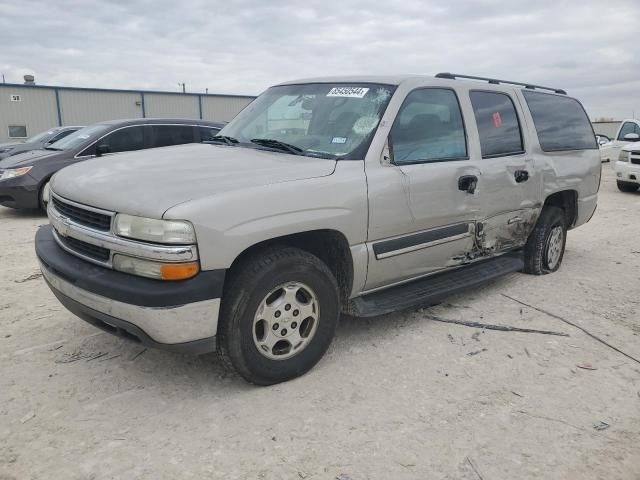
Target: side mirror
632	137
102	149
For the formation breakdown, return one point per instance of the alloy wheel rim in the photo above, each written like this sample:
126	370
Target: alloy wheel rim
554	247
286	321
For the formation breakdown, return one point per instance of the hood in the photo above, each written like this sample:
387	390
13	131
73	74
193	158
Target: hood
9	144
631	147
26	158
149	182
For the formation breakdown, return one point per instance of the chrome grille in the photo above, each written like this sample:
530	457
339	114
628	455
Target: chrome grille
86	249
88	218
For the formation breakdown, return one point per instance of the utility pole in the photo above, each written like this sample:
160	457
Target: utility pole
3	78
206	91
184	89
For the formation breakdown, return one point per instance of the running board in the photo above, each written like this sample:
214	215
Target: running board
434	288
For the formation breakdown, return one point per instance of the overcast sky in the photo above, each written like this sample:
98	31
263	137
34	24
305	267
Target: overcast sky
589	47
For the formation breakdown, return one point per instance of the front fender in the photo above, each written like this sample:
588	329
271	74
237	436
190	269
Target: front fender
229	223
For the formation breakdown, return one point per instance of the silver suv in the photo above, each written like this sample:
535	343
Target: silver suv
361	195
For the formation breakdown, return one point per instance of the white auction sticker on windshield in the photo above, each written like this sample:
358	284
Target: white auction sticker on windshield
350	92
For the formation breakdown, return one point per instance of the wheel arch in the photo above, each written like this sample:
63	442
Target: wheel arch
330	246
567	200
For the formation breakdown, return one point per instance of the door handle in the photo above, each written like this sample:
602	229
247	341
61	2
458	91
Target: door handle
468	183
521	176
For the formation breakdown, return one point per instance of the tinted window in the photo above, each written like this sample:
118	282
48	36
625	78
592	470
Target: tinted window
561	122
429	127
167	135
207	134
124	140
498	124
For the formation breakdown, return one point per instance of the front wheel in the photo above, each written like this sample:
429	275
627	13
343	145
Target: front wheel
43	198
544	249
627	187
279	315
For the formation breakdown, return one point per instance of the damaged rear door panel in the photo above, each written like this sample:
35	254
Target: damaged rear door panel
510	189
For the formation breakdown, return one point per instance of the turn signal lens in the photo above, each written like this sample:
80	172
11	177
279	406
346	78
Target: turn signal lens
179	271
152	269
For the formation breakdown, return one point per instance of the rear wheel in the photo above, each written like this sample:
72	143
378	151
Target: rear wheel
279	315
627	187
544	249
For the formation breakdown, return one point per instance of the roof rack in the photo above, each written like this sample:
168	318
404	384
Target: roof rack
495	81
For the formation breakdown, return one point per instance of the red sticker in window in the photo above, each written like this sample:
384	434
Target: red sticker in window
497	119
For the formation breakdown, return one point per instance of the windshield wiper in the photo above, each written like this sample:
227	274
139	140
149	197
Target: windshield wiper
51	148
222	139
277	144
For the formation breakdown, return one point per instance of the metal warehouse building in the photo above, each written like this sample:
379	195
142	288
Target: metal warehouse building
28	109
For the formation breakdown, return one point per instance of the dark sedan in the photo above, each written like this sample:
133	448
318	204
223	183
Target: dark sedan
37	142
23	177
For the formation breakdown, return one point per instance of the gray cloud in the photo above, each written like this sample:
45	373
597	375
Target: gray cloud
589	48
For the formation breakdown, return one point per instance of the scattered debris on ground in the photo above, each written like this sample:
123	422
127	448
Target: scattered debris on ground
33	276
487	326
601	426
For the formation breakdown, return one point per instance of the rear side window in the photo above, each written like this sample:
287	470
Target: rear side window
166	135
498	124
429	128
561	122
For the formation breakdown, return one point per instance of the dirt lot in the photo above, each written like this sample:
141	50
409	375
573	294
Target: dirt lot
401	396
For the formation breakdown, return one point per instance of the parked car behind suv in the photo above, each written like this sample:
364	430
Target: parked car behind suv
627	168
356	194
23	177
628	132
36	142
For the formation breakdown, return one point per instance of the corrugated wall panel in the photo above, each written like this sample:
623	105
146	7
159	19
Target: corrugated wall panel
81	107
173	106
223	109
36	110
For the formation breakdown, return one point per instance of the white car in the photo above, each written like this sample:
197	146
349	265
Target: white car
627	167
628	132
604	144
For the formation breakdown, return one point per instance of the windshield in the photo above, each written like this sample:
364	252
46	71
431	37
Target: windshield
316	119
79	137
41	136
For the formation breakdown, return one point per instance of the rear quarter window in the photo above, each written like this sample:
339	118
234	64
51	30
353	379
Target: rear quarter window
561	122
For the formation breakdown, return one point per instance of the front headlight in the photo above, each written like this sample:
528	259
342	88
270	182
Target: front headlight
153	269
624	156
152	230
14	172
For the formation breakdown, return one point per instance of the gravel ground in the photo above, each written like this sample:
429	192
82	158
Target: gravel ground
400	396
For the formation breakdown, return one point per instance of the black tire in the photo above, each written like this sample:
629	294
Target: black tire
536	250
248	284
627	187
42	205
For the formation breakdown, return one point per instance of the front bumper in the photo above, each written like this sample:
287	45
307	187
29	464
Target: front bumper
627	172
179	316
19	192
